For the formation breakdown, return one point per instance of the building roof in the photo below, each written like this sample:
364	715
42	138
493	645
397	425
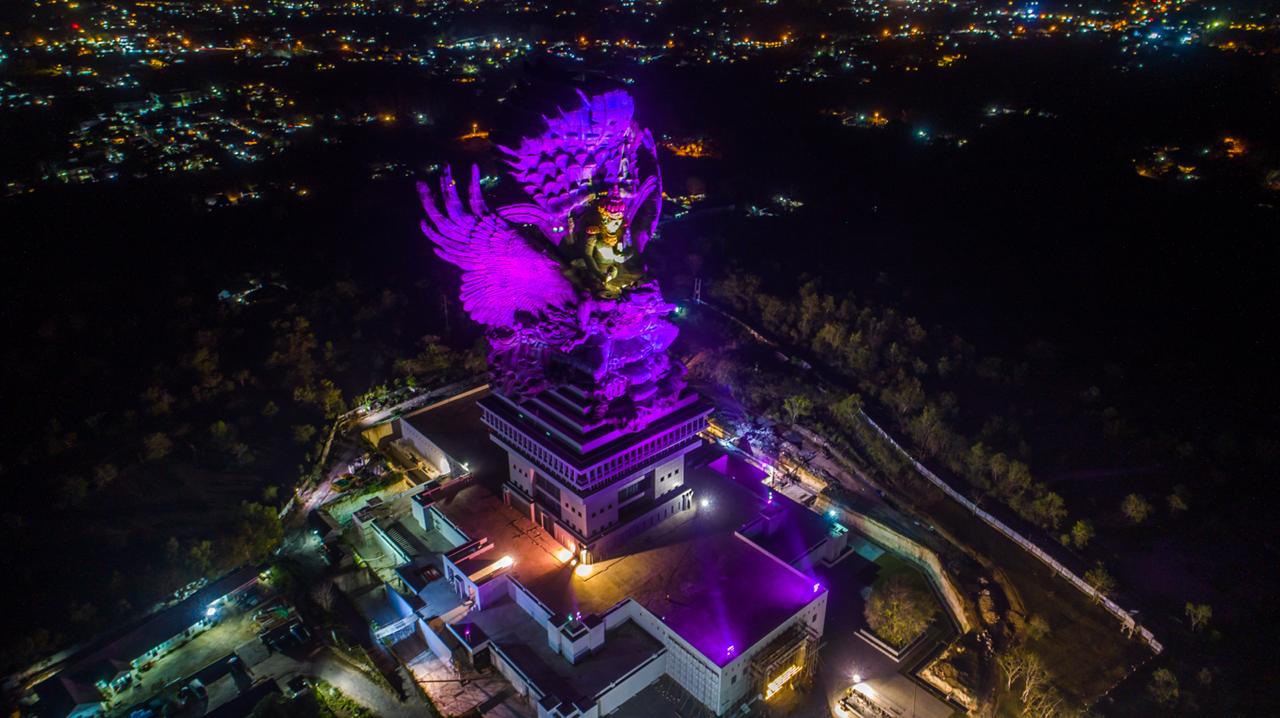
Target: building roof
785	528
455	427
525	642
711	586
111	659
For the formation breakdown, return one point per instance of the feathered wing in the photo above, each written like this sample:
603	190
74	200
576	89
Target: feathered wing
501	273
592	144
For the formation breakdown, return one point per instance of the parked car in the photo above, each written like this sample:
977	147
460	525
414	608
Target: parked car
197	687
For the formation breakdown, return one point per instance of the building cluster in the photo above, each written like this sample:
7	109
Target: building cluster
108	677
120	57
178	131
600	564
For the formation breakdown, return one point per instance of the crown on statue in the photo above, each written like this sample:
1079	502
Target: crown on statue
613	206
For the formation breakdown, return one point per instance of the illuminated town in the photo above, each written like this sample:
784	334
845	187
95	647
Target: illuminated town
523	358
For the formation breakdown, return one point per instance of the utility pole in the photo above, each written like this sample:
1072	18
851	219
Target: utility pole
697	290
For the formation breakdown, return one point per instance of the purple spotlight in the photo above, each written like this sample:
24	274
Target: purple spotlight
817	587
730	650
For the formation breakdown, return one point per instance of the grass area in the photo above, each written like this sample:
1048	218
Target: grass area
890	565
340	703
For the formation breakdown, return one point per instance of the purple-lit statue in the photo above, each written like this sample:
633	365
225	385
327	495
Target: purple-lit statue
559	281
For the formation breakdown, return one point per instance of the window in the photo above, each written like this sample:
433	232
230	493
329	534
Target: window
629	491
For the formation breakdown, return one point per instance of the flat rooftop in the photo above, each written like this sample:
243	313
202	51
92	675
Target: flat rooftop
713	588
799	528
479	511
455	427
525	642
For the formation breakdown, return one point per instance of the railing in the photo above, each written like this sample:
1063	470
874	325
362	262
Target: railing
1112	607
1080	584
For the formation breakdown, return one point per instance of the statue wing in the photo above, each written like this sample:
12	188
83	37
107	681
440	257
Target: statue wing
501	273
594	143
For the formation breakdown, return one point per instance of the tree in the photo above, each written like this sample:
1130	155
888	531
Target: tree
898	610
1198	614
72	491
172	550
156	446
1034	679
324	596
1048	510
1163	687
1037	627
1081	533
1045	702
929	431
977	464
303	433
1135	508
1012	664
82	613
1100	579
848	410
260	532
797	406
200	556
1015	481
1021	664
104	474
158	400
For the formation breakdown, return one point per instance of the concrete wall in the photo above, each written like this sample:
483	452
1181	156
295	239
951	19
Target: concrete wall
680	505
686	666
488	592
731	691
520	471
532	606
425	447
523	685
435	643
446	528
621	691
922	556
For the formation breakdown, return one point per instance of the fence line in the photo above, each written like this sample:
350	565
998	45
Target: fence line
1126	620
1112	607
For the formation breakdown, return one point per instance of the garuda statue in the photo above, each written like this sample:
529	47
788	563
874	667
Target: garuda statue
559	281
